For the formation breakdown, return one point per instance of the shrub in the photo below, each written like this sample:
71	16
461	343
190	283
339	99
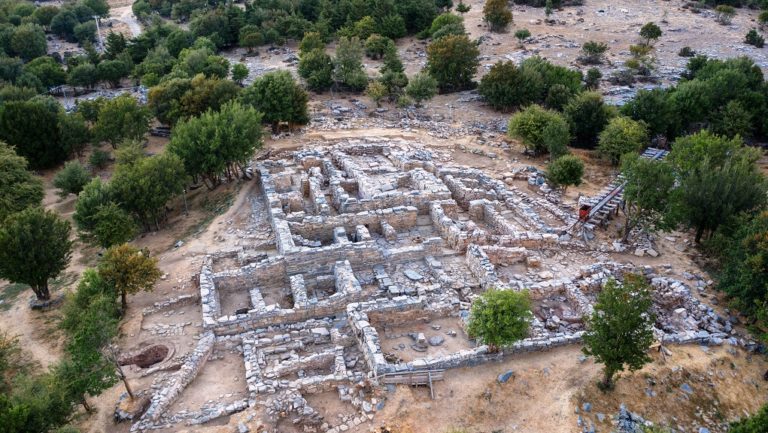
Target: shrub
506	86
71	179
497	14
587	114
533	126
421	87
453	61
522	35
592	52
754	38
99	159
724	14
592	80
622	135
650	32
686	52
565	171
500	317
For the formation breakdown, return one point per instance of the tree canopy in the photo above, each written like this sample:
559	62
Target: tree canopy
279	98
500	317
453	61
19	189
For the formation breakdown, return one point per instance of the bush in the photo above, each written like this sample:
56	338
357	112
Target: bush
724	14
497	14
686	52
453	61
565	171
622	135
421	87
500	317
754	38
316	68
506	86
534	127
592	80
522	35
71	179
99	159
592	52
650	32
587	114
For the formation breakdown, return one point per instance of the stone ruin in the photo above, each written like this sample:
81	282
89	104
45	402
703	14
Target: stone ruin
379	249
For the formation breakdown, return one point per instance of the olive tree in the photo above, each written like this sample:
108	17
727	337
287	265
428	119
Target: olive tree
129	270
500	317
34	248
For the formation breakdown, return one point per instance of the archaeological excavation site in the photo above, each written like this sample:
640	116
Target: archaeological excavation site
359	272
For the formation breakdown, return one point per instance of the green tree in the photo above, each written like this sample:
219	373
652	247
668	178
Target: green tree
506	86
447	20
239	73
34	247
463	8
376	45
652	107
113	71
365	27
521	35
63	24
453	62
48	71
84	75
650	32
718	179
71	179
534	127
44	14
279	98
19	189
593	53
310	42
647	193
113	225
565	171
500	317
94	195
250	37
145	187
376	91
622	135
497	14
120	119
215	143
754	38
75	134
619	331
32	128
28	41
129	270
587	114
733	120
421	87
348	64
316	68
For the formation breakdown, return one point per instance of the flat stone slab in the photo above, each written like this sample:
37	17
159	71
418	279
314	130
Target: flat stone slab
413	275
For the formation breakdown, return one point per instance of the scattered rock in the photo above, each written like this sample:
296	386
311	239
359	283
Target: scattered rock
504	377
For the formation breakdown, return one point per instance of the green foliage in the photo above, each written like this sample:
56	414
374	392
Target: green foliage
537	127
311	41
565	171
75	134
180	98
112	71
622	135
497	14
647	193
652	107
376	45
239	73
592	80
85	32
744	272
94	195
129	270
376	91
587	114
522	35
724	14
733	120
365	27
619	331
754	38
718	178
279	98
593	53
348	64
32	128
463	8
453	61
506	86
99	159
754	424
446	20
686	52
84	75
650	32
421	87
500	317
113	225
34	247
144	187
120	119
71	179
28	42
216	142
19	189
316	68
250	37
